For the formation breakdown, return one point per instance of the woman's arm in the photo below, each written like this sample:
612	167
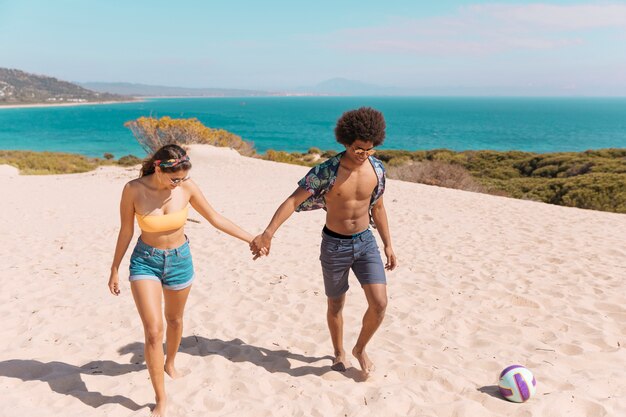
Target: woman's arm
202	206
127	229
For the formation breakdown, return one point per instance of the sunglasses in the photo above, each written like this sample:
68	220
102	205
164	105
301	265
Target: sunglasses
361	152
176	181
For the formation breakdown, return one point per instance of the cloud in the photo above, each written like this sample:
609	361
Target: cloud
488	29
558	17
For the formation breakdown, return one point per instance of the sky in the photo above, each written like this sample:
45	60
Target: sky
437	47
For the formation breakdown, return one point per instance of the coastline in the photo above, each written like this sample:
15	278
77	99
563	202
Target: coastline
39	105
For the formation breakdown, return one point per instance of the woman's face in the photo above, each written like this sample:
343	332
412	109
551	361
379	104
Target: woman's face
173	179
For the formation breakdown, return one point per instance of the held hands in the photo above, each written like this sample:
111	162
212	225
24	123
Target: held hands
392	262
260	245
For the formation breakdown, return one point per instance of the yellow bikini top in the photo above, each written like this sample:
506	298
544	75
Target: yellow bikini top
162	222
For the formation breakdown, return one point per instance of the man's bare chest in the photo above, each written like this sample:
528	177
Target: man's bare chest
354	185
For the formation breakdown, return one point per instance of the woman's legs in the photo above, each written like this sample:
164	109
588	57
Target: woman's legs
174	307
147	295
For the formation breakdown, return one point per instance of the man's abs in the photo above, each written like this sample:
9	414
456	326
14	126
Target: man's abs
347	217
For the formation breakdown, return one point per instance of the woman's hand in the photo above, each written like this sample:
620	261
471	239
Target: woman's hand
114	283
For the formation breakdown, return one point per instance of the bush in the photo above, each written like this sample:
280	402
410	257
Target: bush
437	173
108	156
154	133
605	192
387	155
398	161
314	151
43	163
129	160
282	156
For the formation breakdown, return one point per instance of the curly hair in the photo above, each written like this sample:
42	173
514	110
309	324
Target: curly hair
364	124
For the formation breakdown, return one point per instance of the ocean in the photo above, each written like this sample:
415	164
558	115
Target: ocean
299	123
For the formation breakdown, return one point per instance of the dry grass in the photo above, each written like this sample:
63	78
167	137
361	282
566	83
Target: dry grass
441	174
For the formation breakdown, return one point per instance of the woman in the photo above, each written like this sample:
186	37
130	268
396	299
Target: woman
161	265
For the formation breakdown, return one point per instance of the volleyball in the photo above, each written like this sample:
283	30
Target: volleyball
517	383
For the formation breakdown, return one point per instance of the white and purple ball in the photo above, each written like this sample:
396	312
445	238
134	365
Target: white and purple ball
517	383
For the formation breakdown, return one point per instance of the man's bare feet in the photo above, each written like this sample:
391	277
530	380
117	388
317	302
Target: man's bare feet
364	361
159	408
340	364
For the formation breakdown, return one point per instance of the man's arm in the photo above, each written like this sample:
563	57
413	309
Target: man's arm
379	214
284	211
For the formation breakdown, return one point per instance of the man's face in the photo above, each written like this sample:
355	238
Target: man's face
360	150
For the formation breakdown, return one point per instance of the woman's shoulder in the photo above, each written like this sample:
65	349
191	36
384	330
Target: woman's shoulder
135	186
134	183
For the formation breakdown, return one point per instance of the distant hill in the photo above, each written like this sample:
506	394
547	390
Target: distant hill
19	87
144	90
345	87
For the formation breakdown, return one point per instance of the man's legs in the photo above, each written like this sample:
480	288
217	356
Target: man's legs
334	317
376	295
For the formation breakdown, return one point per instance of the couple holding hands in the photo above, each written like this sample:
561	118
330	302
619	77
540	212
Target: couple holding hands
349	186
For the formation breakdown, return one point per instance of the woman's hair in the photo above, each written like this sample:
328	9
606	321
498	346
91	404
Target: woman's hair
170	158
364	124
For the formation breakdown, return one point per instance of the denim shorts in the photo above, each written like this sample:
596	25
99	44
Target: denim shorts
359	253
173	268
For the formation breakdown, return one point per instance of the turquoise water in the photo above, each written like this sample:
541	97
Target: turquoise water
298	123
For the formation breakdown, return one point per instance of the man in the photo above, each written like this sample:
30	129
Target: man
349	186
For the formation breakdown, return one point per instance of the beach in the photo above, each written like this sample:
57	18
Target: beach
86	103
483	282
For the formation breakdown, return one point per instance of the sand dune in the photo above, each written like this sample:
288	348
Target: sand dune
484	282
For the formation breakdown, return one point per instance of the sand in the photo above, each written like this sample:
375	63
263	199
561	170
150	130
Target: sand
483	282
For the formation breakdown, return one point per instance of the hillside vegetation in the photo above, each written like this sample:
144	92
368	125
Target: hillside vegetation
19	87
594	179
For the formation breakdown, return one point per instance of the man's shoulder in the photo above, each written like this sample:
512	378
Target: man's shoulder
332	161
327	167
377	163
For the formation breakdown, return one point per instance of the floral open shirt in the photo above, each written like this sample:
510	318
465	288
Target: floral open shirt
321	178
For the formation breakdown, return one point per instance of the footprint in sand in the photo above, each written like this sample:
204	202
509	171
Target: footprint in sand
519	301
571	350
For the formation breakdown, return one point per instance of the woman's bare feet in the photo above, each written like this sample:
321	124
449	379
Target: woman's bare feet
364	361
171	370
159	408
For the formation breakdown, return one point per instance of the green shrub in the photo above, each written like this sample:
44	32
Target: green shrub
43	163
282	156
129	160
399	161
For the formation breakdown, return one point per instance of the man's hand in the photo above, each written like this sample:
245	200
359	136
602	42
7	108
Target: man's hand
392	262
260	245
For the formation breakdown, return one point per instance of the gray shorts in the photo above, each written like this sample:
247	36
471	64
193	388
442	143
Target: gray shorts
360	253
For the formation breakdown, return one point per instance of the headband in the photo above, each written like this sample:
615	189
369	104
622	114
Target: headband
169	163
